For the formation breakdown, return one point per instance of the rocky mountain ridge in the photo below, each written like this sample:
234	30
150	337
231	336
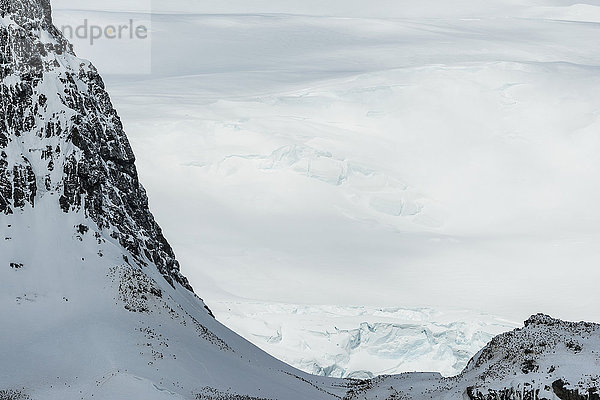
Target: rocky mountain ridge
92	301
63	138
546	359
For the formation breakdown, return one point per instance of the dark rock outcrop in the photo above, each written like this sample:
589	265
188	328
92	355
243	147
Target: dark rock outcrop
562	391
526	393
60	136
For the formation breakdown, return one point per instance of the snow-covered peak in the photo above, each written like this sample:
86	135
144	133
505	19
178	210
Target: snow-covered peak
544	351
546	359
62	138
27	10
543	319
92	302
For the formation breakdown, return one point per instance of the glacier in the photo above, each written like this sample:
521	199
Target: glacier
451	149
362	342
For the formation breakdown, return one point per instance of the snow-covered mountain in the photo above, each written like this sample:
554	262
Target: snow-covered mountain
92	300
547	359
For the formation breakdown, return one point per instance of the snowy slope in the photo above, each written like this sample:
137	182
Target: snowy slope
80	325
92	301
362	342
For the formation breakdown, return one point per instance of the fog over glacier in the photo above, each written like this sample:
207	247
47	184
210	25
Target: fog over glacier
382	153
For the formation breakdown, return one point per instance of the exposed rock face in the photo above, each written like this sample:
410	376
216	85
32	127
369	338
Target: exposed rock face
60	136
524	347
530	354
528	392
525	393
563	393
